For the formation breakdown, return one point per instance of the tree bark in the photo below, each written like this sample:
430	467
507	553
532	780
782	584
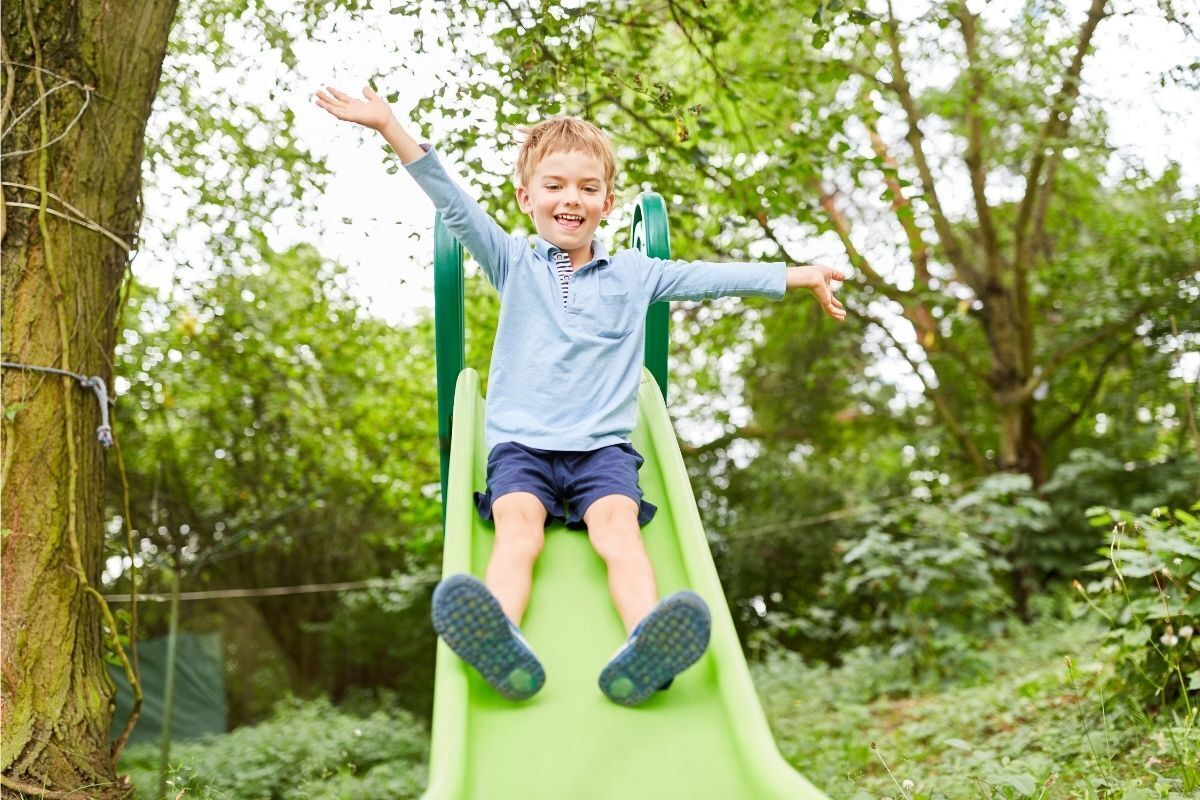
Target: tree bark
87	72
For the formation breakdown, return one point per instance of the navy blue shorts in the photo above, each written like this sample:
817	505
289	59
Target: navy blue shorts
567	482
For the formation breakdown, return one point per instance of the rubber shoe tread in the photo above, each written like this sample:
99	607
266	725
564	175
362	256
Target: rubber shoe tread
670	639
470	620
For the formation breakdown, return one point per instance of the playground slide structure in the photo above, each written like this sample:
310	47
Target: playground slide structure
706	737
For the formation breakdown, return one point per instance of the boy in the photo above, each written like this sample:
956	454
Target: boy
562	398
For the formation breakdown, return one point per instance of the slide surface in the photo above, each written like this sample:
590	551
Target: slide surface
706	737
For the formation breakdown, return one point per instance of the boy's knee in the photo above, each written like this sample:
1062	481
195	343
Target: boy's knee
520	524
519	510
615	510
612	525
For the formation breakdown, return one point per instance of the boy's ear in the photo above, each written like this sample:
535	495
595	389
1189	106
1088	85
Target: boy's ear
523	201
608	204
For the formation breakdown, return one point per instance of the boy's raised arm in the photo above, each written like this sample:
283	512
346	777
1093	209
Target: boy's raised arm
477	231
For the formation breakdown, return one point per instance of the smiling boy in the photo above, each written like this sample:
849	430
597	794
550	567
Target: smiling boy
562	398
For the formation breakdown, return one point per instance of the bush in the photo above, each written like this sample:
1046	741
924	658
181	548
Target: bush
1089	477
925	582
305	750
1149	594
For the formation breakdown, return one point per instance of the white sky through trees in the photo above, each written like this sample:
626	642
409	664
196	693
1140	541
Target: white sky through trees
381	227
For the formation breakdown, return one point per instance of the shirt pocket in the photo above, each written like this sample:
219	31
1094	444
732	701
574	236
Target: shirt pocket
614	313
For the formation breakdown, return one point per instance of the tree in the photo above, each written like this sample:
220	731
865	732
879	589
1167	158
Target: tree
80	78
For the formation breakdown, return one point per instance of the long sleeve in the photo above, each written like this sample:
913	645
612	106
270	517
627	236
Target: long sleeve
484	239
699	280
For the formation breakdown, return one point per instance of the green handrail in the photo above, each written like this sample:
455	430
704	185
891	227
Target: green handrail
449	334
649	233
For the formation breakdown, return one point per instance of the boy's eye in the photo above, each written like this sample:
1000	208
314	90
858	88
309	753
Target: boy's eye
551	185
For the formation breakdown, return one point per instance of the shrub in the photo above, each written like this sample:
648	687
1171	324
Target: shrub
1149	594
305	750
926	582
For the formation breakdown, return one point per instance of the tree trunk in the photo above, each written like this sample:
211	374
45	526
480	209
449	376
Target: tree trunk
1020	446
87	72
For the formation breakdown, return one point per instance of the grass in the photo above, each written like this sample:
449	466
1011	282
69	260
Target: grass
1038	722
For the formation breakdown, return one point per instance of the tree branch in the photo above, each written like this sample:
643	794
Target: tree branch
911	307
974	154
901	205
915	138
1038	191
942	406
1025	392
745	432
1092	391
1057	121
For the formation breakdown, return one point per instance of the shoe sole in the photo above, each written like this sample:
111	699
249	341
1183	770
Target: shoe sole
469	619
669	641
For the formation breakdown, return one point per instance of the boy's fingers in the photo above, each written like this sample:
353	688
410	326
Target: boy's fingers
329	101
345	98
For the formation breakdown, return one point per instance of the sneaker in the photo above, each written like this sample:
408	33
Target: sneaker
670	639
469	619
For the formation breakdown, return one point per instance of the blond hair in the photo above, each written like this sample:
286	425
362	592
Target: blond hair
564	134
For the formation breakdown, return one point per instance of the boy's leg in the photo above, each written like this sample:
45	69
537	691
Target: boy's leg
612	524
479	621
520	520
664	638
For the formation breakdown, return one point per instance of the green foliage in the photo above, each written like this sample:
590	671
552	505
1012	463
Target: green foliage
1149	594
382	637
926	581
275	435
305	750
1091	477
1029	724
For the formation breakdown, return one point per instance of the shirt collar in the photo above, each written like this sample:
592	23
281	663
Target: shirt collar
547	250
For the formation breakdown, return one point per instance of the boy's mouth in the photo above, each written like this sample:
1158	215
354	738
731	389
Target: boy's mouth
569	221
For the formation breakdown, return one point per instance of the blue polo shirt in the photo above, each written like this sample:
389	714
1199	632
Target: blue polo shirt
566	377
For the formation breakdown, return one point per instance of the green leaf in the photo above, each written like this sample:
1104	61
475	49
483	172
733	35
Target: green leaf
1023	783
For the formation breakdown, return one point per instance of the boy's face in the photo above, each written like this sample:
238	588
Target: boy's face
567	197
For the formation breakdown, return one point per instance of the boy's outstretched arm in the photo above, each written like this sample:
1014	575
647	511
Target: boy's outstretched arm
697	280
817	279
492	247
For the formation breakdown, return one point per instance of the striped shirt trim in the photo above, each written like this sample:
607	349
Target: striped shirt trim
562	264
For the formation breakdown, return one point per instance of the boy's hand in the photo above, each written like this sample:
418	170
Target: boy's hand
816	279
373	113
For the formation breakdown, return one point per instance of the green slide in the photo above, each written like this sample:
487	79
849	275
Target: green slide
706	737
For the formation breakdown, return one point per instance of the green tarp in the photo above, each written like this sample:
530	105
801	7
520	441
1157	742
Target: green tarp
199	707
